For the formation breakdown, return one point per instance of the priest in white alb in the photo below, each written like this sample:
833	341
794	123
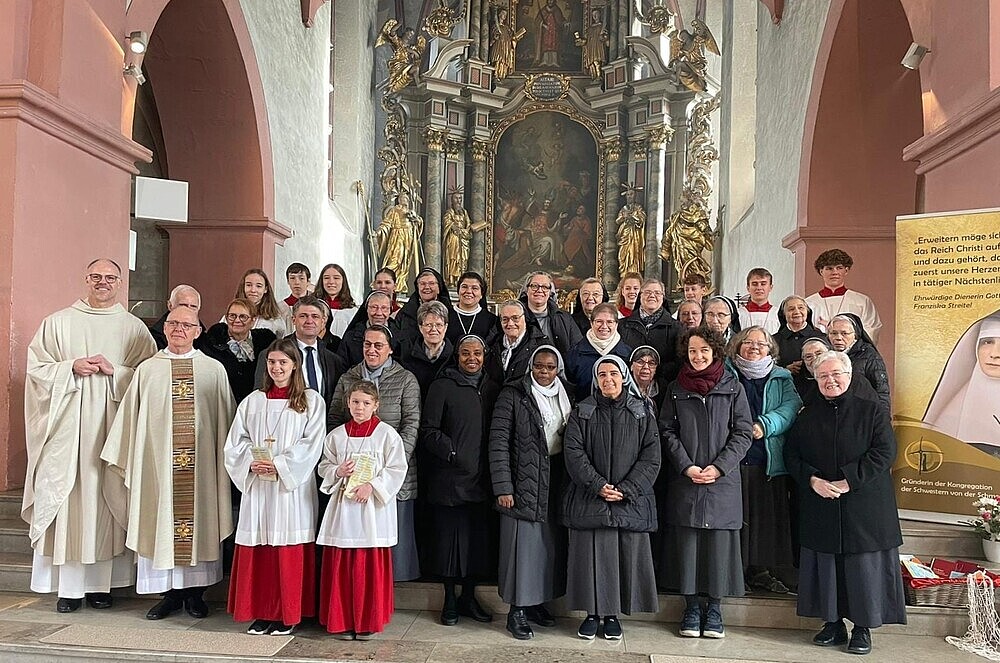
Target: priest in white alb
80	363
166	450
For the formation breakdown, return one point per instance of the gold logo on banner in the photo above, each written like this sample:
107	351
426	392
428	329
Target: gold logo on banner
924	456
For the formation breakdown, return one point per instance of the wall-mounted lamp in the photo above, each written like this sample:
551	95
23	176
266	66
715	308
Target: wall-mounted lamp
134	71
914	55
137	42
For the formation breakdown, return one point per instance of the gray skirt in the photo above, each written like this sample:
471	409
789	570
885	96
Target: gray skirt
610	572
532	567
866	588
702	561
405	562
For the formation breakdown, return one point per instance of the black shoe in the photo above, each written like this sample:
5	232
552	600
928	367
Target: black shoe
831	635
68	605
470	608
99	601
539	615
281	628
165	608
861	641
588	627
517	624
449	613
612	628
196	607
260	627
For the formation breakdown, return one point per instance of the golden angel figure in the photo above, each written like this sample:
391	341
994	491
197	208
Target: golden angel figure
631	222
407	52
687	54
686	239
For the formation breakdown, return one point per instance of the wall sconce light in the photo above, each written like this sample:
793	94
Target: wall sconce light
914	55
137	42
135	72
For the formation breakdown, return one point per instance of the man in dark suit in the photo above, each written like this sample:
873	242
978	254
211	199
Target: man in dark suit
321	368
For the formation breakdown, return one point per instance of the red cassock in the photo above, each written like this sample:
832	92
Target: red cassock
356	592
276	583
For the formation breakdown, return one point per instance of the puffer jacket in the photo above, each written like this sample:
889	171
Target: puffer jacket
866	360
714	429
661	335
580	364
611	442
398	406
519	458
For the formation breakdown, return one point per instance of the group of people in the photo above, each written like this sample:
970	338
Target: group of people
594	456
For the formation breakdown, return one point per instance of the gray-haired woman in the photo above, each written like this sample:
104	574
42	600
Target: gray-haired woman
840	452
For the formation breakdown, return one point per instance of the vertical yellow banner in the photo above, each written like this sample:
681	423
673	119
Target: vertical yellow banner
946	404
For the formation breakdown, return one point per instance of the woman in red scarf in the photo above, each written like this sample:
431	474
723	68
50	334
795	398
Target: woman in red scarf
706	426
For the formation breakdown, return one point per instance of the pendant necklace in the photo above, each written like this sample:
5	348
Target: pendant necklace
471	324
269	440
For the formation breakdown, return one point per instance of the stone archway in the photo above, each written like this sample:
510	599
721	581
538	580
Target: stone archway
209	96
864	108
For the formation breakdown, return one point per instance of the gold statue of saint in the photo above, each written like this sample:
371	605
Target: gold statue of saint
407	52
686	239
398	239
457	228
594	44
631	222
504	45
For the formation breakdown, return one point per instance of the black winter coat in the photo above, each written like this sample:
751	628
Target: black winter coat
866	361
352	345
454	438
406	317
486	325
611	442
412	355
662	335
710	430
240	373
519	456
845	438
518	364
565	332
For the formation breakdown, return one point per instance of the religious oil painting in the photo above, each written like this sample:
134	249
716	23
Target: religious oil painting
551	28
545	201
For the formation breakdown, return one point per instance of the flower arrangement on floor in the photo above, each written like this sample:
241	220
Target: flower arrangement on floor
987	525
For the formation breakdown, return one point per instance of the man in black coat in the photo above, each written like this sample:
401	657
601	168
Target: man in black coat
558	326
651	324
308	318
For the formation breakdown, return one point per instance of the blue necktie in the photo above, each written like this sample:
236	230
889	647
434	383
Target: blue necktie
311	369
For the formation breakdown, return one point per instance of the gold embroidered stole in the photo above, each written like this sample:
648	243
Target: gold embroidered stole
182	470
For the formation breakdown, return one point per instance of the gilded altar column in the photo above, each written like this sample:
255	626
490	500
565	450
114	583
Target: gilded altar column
477	250
612	193
657	138
435	139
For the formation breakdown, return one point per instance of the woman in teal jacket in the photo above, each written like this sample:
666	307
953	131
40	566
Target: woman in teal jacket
765	540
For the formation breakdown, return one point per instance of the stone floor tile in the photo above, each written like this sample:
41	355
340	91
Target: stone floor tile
19	600
530	653
126	612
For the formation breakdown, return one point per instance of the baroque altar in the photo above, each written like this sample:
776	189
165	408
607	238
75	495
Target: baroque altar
570	136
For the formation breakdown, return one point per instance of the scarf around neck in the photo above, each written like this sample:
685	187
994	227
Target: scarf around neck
700	382
543	399
756	369
242	350
603	347
375	374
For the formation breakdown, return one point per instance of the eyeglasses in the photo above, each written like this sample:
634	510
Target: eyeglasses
604	323
651	293
510	318
375	308
545	367
756	344
177	324
377	345
647	363
812	355
712	315
237	317
97	278
839	334
835	375
433	326
538	286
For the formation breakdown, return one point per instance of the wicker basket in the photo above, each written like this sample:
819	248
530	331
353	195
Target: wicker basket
946	593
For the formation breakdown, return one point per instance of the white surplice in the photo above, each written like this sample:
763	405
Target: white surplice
282	512
768	320
349	524
825	308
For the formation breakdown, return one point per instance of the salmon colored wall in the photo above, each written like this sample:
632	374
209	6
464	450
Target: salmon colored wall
864	109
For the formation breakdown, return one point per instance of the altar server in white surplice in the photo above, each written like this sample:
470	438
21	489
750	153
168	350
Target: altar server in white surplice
273	448
80	363
835	297
164	452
